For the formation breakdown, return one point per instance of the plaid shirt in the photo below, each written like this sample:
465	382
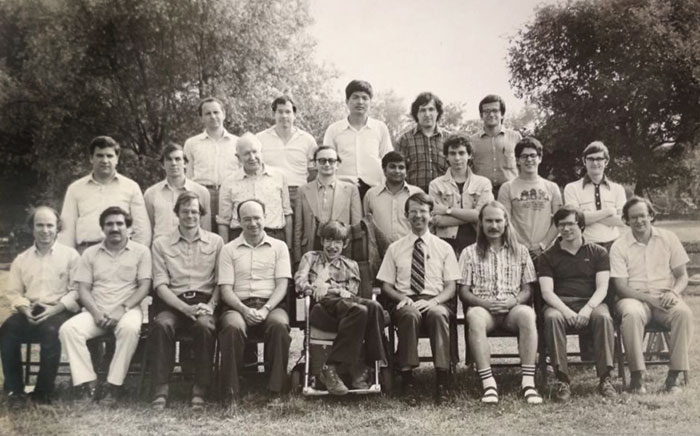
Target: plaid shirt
423	156
340	273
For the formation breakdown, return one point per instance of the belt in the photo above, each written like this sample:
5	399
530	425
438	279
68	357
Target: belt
188	295
210	186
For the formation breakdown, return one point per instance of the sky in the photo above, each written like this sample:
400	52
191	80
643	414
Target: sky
454	48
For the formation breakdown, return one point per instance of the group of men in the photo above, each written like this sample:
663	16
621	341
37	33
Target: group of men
277	201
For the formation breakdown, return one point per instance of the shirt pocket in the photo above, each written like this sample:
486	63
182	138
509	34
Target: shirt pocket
207	256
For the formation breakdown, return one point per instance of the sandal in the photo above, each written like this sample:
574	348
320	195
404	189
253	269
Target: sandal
490	395
531	395
159	402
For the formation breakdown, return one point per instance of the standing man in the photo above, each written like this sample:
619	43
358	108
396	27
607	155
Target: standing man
254	270
459	194
113	277
387	203
531	200
494	145
323	200
88	197
648	267
574	276
211	155
255	180
161	197
184	277
361	141
599	198
422	145
42	294
288	148
495	289
419	273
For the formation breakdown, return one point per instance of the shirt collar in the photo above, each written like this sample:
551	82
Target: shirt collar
631	239
329	185
412	237
240	240
129	245
483	133
438	131
226	135
50	251
187	186
404	187
115	178
340	260
448	176
368	124
603	181
241	174
201	235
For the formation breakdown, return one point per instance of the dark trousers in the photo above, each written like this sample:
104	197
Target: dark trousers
359	321
161	345
233	334
213	205
17	330
362	187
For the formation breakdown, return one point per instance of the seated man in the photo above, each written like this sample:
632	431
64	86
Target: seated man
41	292
184	277
495	288
419	273
254	270
648	267
113	277
574	276
334	280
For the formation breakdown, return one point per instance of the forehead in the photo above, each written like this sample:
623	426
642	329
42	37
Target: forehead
459	148
286	106
528	149
596	154
107	151
428	105
116	218
639	209
359	94
44	216
211	106
175	154
327	153
414	205
247	146
400	163
190	204
493	213
251	209
570	218
492	105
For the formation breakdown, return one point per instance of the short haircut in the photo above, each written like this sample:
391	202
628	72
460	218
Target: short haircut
171	147
596	147
568	210
210	99
423	99
334	230
358	86
187	197
33	211
104	142
326	147
421	198
528	142
254	200
457	140
393	157
115	210
493	98
634	201
247	138
283	99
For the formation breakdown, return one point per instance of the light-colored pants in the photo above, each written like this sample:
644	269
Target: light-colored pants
76	331
636	315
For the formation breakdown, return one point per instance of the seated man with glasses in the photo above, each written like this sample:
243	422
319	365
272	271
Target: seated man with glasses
322	200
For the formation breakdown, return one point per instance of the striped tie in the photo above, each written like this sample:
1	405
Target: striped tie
418	267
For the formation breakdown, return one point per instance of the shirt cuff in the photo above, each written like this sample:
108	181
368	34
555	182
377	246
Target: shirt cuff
19	302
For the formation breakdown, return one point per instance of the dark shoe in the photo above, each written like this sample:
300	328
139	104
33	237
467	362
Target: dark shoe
606	388
360	377
111	396
84	394
334	385
38	397
159	402
672	385
231	398
16	399
407	383
637	386
562	391
442	379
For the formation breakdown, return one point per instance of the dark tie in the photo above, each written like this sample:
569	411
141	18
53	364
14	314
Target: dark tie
598	206
418	267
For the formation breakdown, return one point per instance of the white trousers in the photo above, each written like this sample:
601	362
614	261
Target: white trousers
75	332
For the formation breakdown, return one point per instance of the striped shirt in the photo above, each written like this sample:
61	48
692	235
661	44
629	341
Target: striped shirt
499	275
423	154
339	273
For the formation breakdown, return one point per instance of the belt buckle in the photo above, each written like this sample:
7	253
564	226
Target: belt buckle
189	294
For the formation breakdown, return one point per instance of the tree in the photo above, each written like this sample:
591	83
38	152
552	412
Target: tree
389	107
135	70
626	72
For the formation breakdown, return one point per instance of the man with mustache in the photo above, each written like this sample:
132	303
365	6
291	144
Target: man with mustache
418	274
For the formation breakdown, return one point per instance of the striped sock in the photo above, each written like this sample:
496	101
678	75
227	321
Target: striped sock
528	372
486	377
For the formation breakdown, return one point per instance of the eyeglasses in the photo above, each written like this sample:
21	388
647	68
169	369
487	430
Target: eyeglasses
596	159
563	225
528	156
323	160
491	111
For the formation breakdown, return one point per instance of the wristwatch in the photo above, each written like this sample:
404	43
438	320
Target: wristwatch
267	306
448	211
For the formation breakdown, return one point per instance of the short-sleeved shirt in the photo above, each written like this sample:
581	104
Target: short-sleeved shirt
114	277
423	155
46	279
211	160
581	194
160	204
252	270
184	265
339	273
440	264
531	205
270	187
475	193
574	275
499	274
647	266
388	210
360	151
494	156
294	158
86	199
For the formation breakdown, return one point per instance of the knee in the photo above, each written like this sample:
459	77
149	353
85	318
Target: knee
204	325
438	314
682	312
552	317
476	320
161	324
525	316
67	331
277	328
126	329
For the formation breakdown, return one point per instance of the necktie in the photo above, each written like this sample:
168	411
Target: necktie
418	267
598	206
